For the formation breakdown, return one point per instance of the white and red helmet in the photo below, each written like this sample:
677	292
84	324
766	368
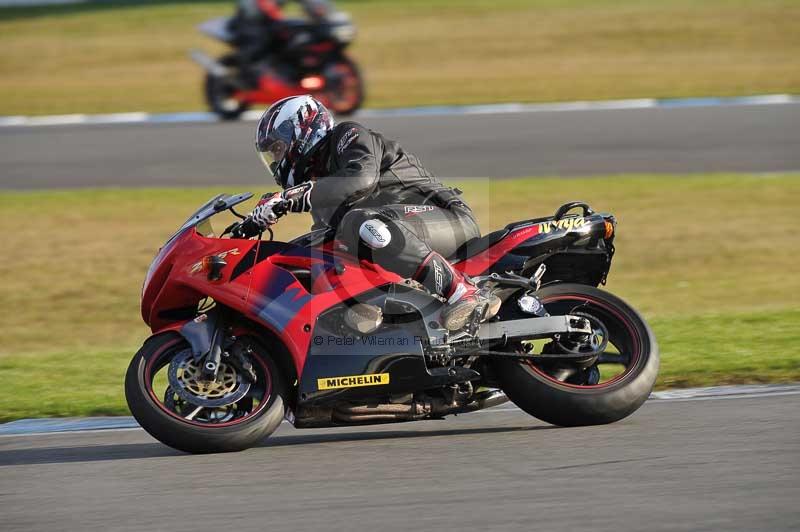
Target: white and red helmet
286	135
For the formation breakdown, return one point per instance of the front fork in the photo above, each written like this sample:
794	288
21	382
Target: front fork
210	339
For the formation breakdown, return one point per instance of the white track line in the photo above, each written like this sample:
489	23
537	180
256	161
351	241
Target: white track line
27	427
36	3
445	110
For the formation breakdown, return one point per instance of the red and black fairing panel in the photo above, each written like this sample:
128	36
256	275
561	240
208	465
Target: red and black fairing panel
177	280
283	287
346	366
394	352
574	248
290	286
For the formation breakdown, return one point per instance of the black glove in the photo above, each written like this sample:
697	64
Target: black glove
298	198
244	229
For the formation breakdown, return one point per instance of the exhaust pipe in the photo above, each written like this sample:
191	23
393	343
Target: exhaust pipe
209	63
384	412
482	400
416	409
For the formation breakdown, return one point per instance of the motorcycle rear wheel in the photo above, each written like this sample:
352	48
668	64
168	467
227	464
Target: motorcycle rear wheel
575	396
241	426
344	87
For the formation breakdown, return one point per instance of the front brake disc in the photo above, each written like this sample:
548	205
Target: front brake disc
187	380
208	415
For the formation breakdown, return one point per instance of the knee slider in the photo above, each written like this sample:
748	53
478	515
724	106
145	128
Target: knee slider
375	233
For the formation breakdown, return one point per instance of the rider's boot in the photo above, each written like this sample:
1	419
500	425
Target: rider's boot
463	297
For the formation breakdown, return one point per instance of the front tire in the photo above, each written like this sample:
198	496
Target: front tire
573	397
219	92
163	421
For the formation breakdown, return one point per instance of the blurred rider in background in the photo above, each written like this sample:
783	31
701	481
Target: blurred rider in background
385	206
259	26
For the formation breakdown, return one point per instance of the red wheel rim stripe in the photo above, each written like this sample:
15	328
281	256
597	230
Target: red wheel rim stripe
636	348
157	401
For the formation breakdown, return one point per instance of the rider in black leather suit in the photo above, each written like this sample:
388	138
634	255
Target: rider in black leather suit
385	206
260	29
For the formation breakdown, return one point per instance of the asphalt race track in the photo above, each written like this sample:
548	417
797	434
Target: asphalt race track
752	138
715	464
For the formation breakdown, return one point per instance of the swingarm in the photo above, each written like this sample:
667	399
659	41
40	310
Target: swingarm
500	332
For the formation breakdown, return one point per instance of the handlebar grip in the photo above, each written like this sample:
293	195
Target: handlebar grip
281	208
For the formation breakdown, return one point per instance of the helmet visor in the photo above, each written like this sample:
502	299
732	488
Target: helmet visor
272	148
273	155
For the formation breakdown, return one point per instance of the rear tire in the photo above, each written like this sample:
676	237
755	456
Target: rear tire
344	91
192	437
561	403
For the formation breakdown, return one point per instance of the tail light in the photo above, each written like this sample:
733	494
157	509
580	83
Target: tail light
609	230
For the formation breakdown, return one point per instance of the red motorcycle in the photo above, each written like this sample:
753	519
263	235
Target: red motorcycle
312	61
248	332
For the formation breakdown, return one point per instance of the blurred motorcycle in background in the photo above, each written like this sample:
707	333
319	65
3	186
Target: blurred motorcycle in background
286	58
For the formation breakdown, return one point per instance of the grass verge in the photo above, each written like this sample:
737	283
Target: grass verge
124	55
707	259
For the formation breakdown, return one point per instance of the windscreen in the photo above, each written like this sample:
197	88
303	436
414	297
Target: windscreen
215	205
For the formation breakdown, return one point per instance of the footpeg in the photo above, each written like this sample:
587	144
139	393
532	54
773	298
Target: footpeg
536	279
512	279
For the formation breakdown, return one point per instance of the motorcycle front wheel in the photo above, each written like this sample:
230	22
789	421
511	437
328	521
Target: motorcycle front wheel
220	91
610	386
168	395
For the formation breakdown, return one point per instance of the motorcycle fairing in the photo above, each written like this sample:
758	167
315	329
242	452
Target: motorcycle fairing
397	348
176	284
280	298
289	289
281	286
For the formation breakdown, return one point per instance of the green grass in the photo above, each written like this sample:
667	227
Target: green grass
729	348
130	56
709	260
74	383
